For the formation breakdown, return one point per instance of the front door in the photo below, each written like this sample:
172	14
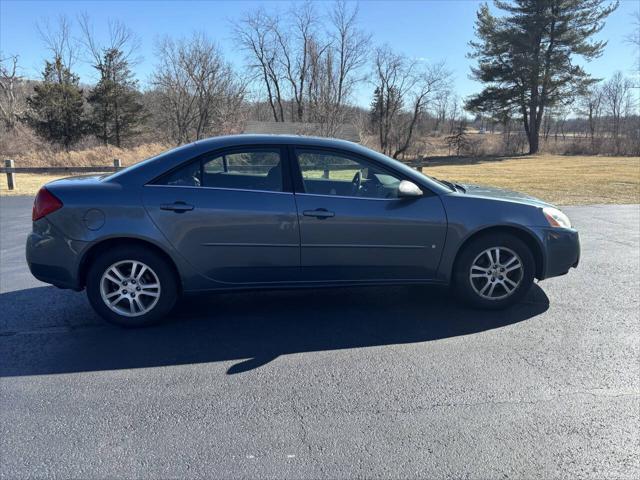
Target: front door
228	214
354	226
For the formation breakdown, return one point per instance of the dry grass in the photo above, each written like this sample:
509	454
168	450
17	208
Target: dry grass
26	183
96	156
564	180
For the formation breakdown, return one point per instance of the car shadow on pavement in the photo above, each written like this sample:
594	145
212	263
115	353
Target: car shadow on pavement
48	331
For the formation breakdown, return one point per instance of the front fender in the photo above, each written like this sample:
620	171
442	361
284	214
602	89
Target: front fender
468	217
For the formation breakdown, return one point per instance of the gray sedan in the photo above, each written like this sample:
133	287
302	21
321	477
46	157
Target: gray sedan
246	212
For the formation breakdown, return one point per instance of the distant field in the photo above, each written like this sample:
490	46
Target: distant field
564	180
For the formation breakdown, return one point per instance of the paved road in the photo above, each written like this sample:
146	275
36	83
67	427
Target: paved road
376	382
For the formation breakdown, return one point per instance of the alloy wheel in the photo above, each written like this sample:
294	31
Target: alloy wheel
130	288
496	273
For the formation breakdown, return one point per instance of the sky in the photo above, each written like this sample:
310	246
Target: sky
428	30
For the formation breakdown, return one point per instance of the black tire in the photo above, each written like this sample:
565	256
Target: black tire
168	291
462	281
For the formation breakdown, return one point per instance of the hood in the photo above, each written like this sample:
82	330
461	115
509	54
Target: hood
495	193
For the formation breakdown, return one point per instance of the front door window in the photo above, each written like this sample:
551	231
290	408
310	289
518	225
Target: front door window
329	173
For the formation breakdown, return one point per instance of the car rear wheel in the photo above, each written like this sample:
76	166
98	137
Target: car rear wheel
494	271
131	286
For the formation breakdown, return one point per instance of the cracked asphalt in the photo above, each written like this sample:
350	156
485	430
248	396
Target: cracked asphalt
369	382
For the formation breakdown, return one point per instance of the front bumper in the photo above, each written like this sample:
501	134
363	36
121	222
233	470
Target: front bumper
52	257
562	251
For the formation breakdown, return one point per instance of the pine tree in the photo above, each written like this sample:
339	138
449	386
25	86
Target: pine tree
385	107
375	112
117	109
56	109
525	57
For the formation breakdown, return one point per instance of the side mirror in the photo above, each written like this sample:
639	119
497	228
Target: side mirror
408	189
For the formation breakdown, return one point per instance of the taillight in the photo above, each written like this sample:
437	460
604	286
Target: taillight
44	204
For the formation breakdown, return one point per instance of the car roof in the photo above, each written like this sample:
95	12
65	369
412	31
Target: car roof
262	139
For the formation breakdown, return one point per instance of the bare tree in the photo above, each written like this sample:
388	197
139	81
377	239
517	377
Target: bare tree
336	66
459	139
560	115
441	105
590	105
454	113
351	46
633	39
254	33
121	38
199	92
294	45
403	90
58	40
12	96
321	91
306	74
617	100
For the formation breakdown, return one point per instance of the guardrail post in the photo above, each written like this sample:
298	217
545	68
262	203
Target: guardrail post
116	163
11	177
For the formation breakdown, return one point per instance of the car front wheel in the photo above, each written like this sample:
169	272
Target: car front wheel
494	271
131	287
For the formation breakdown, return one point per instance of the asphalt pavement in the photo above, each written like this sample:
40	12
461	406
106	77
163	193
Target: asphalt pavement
329	383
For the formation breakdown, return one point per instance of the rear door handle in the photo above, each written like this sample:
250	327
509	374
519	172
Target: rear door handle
319	213
177	207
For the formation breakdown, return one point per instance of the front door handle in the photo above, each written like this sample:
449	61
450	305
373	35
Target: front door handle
318	213
177	207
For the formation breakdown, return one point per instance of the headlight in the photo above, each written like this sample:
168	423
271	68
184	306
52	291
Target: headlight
556	218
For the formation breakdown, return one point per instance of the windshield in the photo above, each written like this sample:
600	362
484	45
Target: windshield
406	169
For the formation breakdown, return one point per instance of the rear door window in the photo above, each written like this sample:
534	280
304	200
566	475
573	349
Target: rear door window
250	169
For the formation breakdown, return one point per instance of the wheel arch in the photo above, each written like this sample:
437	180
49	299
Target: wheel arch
113	242
529	239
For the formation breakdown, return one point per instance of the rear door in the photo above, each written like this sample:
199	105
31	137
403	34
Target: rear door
231	214
353	225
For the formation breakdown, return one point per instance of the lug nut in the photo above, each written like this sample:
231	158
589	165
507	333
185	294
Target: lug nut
133	294
124	292
138	288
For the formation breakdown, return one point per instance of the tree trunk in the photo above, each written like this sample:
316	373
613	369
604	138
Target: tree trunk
534	139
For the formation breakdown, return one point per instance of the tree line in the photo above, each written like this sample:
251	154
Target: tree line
304	65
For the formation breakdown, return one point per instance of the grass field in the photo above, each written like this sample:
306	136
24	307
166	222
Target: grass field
563	180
